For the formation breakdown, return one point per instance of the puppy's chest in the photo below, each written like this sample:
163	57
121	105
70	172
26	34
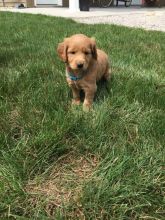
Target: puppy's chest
75	84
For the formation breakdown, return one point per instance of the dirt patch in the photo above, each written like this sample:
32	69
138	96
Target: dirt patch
63	186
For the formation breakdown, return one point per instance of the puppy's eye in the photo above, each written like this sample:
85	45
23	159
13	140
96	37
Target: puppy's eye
86	53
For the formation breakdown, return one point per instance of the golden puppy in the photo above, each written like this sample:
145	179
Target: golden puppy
85	65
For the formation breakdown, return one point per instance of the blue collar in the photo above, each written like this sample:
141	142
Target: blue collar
74	78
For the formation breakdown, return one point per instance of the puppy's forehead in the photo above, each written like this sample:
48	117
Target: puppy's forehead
79	41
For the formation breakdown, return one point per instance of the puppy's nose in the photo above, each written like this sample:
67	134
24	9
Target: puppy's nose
80	65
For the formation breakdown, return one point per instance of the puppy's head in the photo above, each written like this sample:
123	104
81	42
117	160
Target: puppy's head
78	51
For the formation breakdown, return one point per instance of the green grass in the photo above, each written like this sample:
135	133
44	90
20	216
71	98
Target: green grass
123	136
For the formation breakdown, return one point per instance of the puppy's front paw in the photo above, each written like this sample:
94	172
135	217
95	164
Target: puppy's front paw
87	107
76	101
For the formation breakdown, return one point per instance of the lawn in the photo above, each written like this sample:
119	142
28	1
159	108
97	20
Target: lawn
58	162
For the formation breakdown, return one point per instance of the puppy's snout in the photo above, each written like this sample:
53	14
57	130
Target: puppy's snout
80	65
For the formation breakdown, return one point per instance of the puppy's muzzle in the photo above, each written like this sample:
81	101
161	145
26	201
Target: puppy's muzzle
80	65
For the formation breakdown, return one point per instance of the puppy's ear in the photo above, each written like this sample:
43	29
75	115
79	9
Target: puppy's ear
62	51
93	48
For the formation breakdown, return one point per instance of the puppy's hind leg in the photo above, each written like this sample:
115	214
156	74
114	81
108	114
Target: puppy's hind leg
107	77
107	74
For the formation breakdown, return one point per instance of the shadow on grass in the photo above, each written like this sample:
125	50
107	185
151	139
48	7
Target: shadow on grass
6	58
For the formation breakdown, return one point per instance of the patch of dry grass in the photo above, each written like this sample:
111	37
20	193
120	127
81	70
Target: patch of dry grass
64	183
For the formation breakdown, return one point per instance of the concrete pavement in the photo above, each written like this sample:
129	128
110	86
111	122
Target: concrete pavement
147	18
